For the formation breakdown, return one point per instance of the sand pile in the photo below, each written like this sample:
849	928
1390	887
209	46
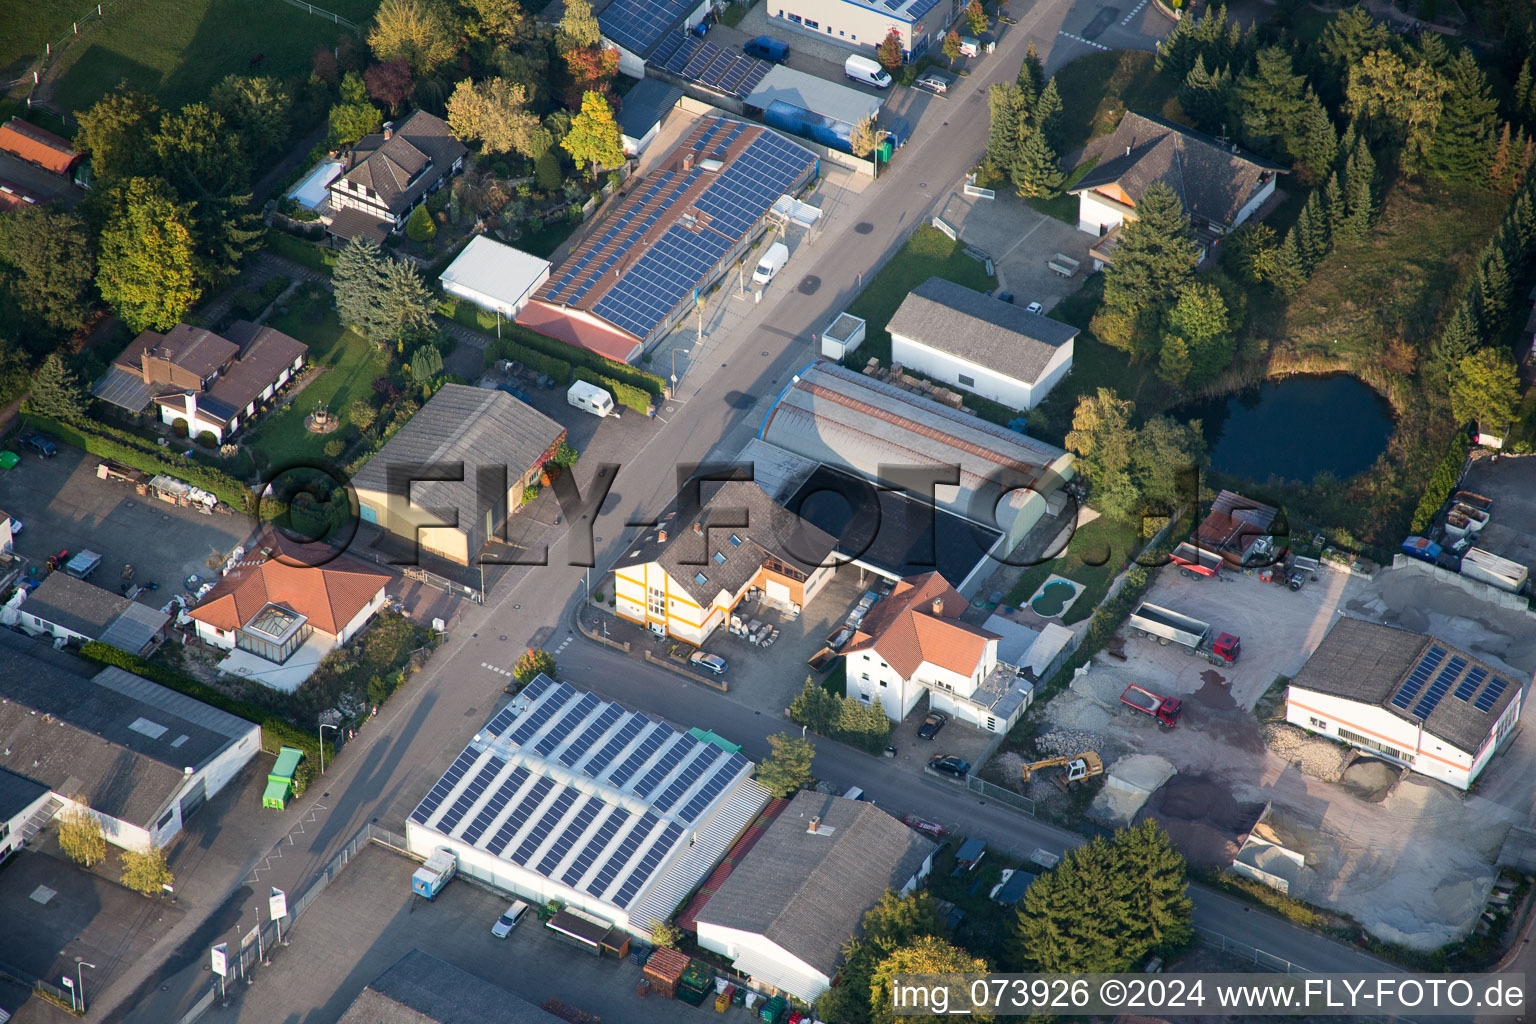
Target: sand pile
1370	779
1318	757
1131	780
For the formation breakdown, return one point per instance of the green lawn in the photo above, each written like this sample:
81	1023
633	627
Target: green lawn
734	12
179	49
1094	556
351	363
1096	91
928	253
45	21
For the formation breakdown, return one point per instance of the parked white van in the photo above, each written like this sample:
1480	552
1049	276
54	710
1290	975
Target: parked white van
590	398
772	262
862	69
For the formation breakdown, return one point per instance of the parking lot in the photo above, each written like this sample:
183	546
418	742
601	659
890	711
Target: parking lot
1020	240
65	507
368	918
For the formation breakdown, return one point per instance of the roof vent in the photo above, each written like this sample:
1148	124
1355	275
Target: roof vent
711	164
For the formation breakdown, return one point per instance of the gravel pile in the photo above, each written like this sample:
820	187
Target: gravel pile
1315	756
1064	742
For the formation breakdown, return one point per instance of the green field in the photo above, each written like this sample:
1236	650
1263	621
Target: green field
928	253
45	21
351	363
179	49
1094	555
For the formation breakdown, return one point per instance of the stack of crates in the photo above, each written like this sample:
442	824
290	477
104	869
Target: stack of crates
772	1010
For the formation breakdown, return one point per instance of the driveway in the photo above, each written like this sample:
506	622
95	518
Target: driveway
1020	240
40	183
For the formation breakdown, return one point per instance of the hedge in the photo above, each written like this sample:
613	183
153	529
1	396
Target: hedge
506	348
306	254
276	732
576	356
626	395
1444	480
111	443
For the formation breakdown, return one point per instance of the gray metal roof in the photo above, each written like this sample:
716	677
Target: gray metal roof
76	605
808	892
133	630
496	271
989	332
17	793
421	989
462	425
818	95
646	104
1371	663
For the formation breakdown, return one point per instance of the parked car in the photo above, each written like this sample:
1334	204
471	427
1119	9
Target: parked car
514	392
1035	307
934	81
767	48
42	444
927	828
1005	297
949	764
931	725
506	922
17	526
713	662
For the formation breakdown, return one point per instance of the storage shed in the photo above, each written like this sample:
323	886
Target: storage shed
1494	570
844	336
495	277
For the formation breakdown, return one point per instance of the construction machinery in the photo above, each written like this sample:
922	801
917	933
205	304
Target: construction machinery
1078	767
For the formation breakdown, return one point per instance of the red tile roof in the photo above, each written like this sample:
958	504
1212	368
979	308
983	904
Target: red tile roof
37	146
920	622
330	596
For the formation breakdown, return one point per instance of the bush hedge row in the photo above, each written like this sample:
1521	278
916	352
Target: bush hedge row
1444	480
625	394
538	362
631	375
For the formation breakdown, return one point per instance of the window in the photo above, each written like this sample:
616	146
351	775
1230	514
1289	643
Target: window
1317	723
865	677
829	30
657	602
884	683
719	557
1366	741
967	382
700	578
992	725
166	820
839	33
735	541
794	18
812	24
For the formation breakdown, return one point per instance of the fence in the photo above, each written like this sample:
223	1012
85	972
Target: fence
432	579
1269	962
319	13
996	792
32	981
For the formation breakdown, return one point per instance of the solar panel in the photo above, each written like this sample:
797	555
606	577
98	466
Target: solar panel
535	719
652	743
1470	684
648	864
572	832
1415	681
472	792
563	728
688	776
577	749
604	757
626	850
596	845
1491	694
495	805
545	825
665	765
518	818
439	792
1439	687
535	688
724	775
498	725
639	25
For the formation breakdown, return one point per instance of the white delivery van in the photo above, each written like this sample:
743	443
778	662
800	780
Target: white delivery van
590	398
772	262
862	69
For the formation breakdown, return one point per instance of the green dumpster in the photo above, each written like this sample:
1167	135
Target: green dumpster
280	779
277	794
9	460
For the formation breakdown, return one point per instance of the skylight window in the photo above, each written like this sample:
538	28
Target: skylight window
719	557
735	541
700	578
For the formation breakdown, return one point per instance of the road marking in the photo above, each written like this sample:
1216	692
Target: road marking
277	848
1080	39
493	668
1127	19
564	644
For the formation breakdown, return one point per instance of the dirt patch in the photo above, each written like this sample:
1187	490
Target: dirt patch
1314	755
1202	818
1371	780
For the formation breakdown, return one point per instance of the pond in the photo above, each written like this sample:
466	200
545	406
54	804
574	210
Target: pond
1295	428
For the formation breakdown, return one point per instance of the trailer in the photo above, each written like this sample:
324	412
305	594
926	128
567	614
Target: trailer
1300	570
82	565
1165	710
1199	638
1196	562
438	870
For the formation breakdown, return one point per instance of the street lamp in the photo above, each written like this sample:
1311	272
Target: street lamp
324	726
79	963
675	351
69	983
880	135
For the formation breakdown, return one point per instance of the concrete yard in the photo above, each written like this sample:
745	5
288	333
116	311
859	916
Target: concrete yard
1511	529
1020	239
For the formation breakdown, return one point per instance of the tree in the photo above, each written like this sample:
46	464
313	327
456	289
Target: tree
591	67
1037	172
81	837
1048	114
498	22
1464	134
815	708
1359	193
1523	99
579	27
1003	127
926	955
195	152
1315	144
415	31
1460	338
56	393
1206	97
594	136
1486	390
390	83
666	935
533	662
1102	436
888	53
788	767
1202	320
50	265
1031	74
1287	271
1173	362
361	414
257	109
1156	254
147	266
1499	177
1271	100
351	121
864	138
116	133
1311	231
426	364
1165	464
383	299
951	47
1348	36
1160	904
146	872
419	226
1333	206
546	171
976	17
1250	251
1397	101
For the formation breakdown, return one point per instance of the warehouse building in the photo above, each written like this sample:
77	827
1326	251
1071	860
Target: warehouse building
25	807
449	478
1409	698
637	274
140	757
563	796
636	28
980	344
421	989
79	612
497	278
864	24
786	911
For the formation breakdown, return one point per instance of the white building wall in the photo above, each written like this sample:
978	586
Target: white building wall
852	25
1404	742
1096	215
11	829
1249	208
792	974
7	536
985	381
42	625
361	618
867	676
224	639
490	303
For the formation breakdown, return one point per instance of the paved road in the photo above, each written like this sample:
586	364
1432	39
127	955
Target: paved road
381	775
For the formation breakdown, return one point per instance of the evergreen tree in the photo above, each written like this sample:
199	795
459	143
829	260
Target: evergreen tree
1348	36
814	708
1316	144
1463	139
48	253
1003	128
1333	205
1495	288
1500	167
1462	336
56	393
1486	390
1176	51
1206	97
1173	362
358	281
1037	172
1156	254
1287	272
1523	100
1311	234
1161	907
1048	115
1032	73
1360	192
788	768
1271	100
1202	320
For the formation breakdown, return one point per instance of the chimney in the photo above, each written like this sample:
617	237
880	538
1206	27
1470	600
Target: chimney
661	536
698	529
688	160
389	131
192	412
814	825
938	606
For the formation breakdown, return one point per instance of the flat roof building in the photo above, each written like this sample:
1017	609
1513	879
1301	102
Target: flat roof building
26	805
74	610
646	108
495	277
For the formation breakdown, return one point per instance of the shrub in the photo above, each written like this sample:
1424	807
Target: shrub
274	286
334	447
207	440
625	394
146	872
500	169
81	837
179	427
546	171
506	348
533	661
419	227
1444	480
361	414
247	304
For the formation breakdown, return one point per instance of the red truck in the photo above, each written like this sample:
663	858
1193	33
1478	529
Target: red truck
1195	561
1165	710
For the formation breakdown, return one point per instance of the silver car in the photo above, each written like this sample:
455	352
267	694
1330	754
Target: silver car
933	81
713	662
506	922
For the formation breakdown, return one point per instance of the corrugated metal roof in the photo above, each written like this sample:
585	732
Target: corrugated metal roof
818	95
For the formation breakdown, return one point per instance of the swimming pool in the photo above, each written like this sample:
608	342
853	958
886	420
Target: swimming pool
311	192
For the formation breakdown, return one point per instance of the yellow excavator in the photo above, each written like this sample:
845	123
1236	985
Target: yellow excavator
1078	767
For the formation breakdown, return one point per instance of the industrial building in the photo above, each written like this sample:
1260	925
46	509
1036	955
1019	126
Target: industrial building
140	757
1409	698
864	24
980	344
647	107
563	796
636	28
25	807
421	989
684	576
786	911
497	278
823	111
468	453
76	611
642	266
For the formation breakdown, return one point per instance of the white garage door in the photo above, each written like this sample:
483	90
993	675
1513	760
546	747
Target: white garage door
778	591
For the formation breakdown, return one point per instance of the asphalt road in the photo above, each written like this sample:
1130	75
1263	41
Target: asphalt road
382	774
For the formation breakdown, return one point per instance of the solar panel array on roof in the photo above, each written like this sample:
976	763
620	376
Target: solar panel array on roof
495	805
643	753
1418	677
472	792
623	738
596	845
688	776
637	25
626	850
648	864
665	765
1491	694
518	818
728	71
445	785
563	728
534	720
1440	687
498	725
1470	684
546	824
711	789
583	743
572	833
